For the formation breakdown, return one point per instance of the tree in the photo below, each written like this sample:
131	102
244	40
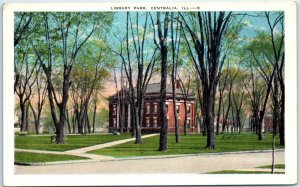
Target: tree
185	89
209	60
264	57
22	24
232	75
25	65
277	40
222	86
176	42
88	73
64	36
162	32
41	93
137	56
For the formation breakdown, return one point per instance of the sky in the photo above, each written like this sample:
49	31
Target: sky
252	22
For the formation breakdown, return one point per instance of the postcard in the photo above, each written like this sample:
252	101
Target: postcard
150	93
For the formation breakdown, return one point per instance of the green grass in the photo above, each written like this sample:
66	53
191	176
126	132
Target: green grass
242	172
277	166
190	144
26	157
73	141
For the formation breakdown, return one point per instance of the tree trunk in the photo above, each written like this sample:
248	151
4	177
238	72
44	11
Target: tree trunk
138	138
281	124
22	107
185	117
68	121
219	112
94	117
88	122
133	120
60	133
260	133
163	139
36	119
208	100
27	117
173	76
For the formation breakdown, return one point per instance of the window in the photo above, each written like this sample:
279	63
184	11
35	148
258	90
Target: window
189	109
167	108
114	122
155	122
147	122
155	108
114	110
177	109
148	108
188	123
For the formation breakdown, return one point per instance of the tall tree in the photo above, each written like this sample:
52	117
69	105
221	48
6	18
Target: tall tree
64	36
278	52
207	31
162	32
185	89
136	55
232	75
222	86
176	42
26	65
41	94
88	73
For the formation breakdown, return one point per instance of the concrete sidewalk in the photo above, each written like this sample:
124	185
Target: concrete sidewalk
101	146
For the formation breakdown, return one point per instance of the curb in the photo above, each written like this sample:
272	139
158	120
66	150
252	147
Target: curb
139	158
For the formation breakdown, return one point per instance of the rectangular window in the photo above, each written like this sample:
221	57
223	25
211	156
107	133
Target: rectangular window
155	108
148	108
167	108
155	122
147	122
177	109
188	123
188	109
114	122
114	110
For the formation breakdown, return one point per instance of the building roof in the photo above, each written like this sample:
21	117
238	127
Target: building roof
153	89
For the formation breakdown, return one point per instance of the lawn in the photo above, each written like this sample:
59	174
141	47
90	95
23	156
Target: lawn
73	141
242	172
277	166
190	144
26	157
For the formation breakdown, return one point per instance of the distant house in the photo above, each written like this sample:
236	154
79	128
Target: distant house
152	121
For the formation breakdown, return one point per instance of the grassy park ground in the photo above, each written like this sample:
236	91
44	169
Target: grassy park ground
26	157
73	141
277	166
191	144
243	172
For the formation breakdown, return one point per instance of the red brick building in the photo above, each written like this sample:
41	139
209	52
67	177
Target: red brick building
151	119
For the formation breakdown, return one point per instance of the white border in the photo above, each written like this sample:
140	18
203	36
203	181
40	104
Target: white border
290	177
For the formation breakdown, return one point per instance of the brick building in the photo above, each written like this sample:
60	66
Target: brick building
151	120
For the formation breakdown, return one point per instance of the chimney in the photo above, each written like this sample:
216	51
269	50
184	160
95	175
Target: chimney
178	83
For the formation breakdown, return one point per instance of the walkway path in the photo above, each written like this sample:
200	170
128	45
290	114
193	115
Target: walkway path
188	164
